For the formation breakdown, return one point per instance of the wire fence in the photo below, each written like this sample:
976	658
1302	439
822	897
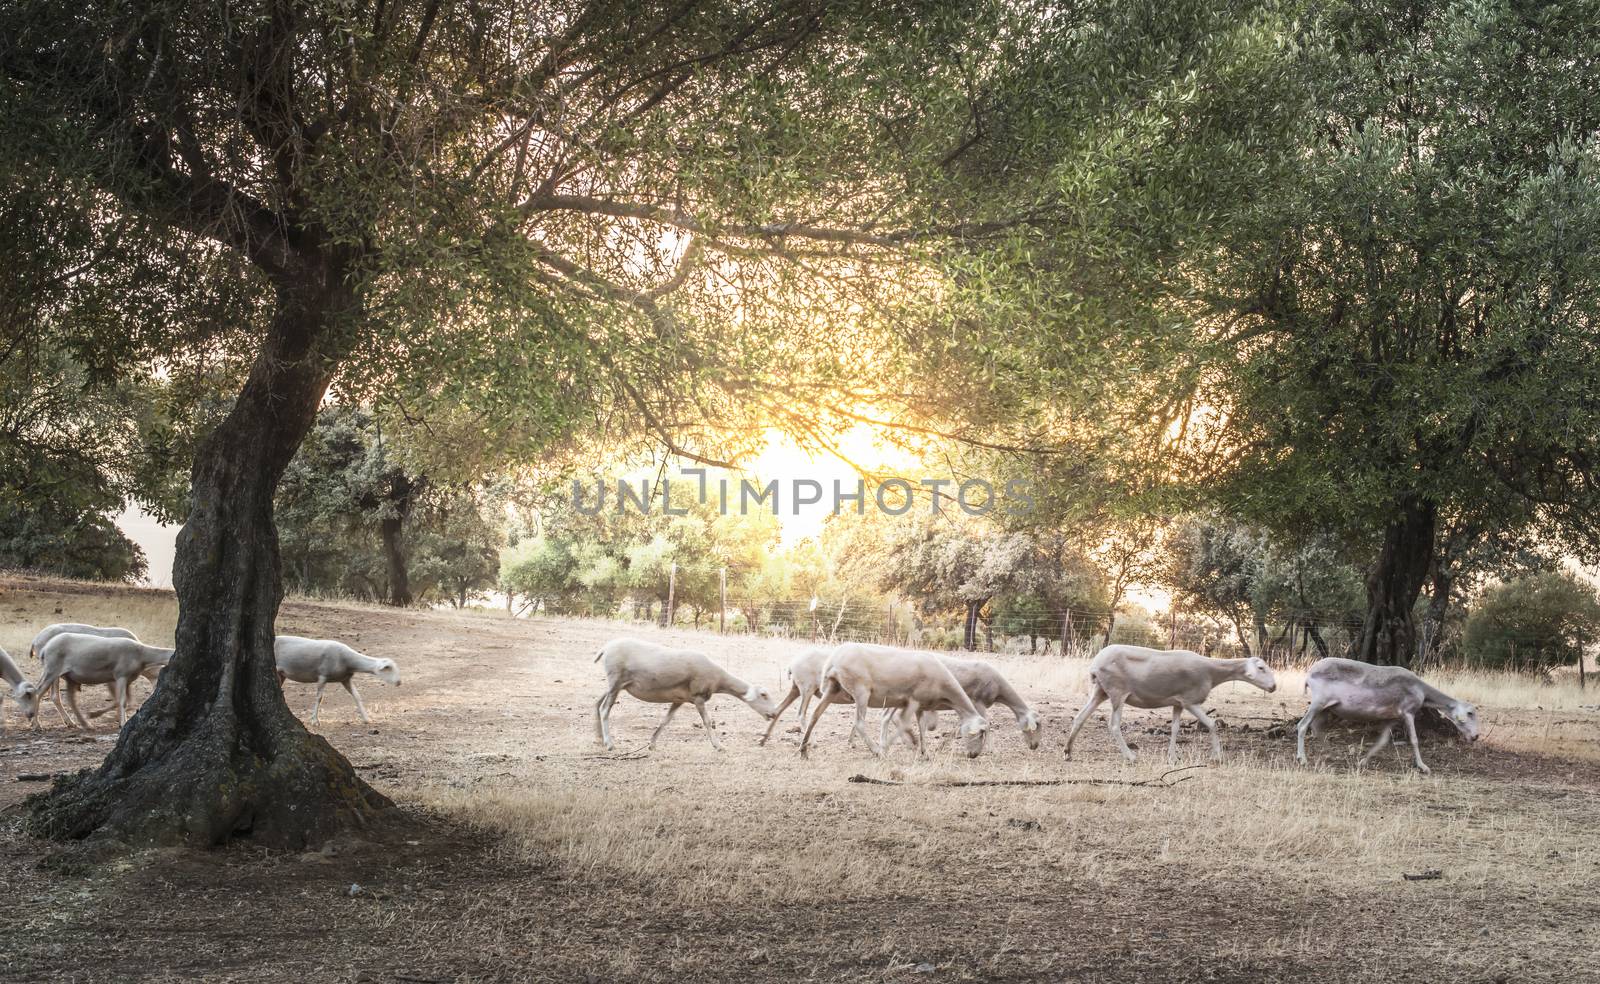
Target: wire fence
1292	637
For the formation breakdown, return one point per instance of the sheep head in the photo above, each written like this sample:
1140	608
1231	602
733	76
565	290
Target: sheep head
1032	727
1257	671
27	697
387	672
760	701
974	730
1465	717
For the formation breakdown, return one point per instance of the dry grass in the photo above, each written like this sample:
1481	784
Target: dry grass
754	858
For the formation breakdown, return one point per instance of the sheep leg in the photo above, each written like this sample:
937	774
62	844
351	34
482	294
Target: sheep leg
700	705
1116	732
1304	726
922	734
1096	697
72	702
828	690
885	735
121	689
790	698
321	682
1416	750
673	709
1172	745
863	703
602	712
1384	737
360	708
1211	726
1319	724
55	695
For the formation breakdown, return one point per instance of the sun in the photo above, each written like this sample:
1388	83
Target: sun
859	447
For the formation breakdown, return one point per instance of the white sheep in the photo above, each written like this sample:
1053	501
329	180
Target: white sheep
986	686
657	674
883	676
805	682
1152	678
75	660
325	661
13	678
79	628
1359	691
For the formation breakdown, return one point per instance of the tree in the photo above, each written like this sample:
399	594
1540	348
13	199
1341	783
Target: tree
524	212
1532	622
1400	330
455	547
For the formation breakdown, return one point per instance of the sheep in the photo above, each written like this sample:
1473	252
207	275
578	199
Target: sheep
1359	691
76	659
805	682
1175	678
659	675
985	686
324	661
78	628
882	676
14	679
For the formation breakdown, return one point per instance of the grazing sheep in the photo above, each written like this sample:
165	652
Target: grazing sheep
1174	678
79	628
324	661
14	679
656	674
75	660
985	686
805	682
882	676
1360	691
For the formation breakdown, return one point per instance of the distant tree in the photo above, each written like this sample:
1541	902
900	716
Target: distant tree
1532	622
1211	569
986	573
1228	569
455	547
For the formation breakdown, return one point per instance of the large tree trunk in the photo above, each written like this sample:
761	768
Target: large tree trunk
401	495
1389	634
215	753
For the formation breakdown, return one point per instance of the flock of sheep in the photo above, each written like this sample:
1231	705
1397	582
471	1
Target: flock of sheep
911	687
73	655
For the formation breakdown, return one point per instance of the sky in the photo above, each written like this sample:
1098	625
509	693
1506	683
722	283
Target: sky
156	540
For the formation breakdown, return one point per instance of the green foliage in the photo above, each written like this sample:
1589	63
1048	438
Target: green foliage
1232	570
68	447
353	521
1532	622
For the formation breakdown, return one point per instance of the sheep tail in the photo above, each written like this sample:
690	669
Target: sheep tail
599	654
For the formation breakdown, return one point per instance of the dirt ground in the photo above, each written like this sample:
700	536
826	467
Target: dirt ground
537	857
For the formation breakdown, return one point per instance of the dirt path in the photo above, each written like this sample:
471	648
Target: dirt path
538	859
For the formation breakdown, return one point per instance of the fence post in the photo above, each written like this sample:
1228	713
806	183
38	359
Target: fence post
722	613
888	624
672	591
1066	630
1172	628
1581	682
